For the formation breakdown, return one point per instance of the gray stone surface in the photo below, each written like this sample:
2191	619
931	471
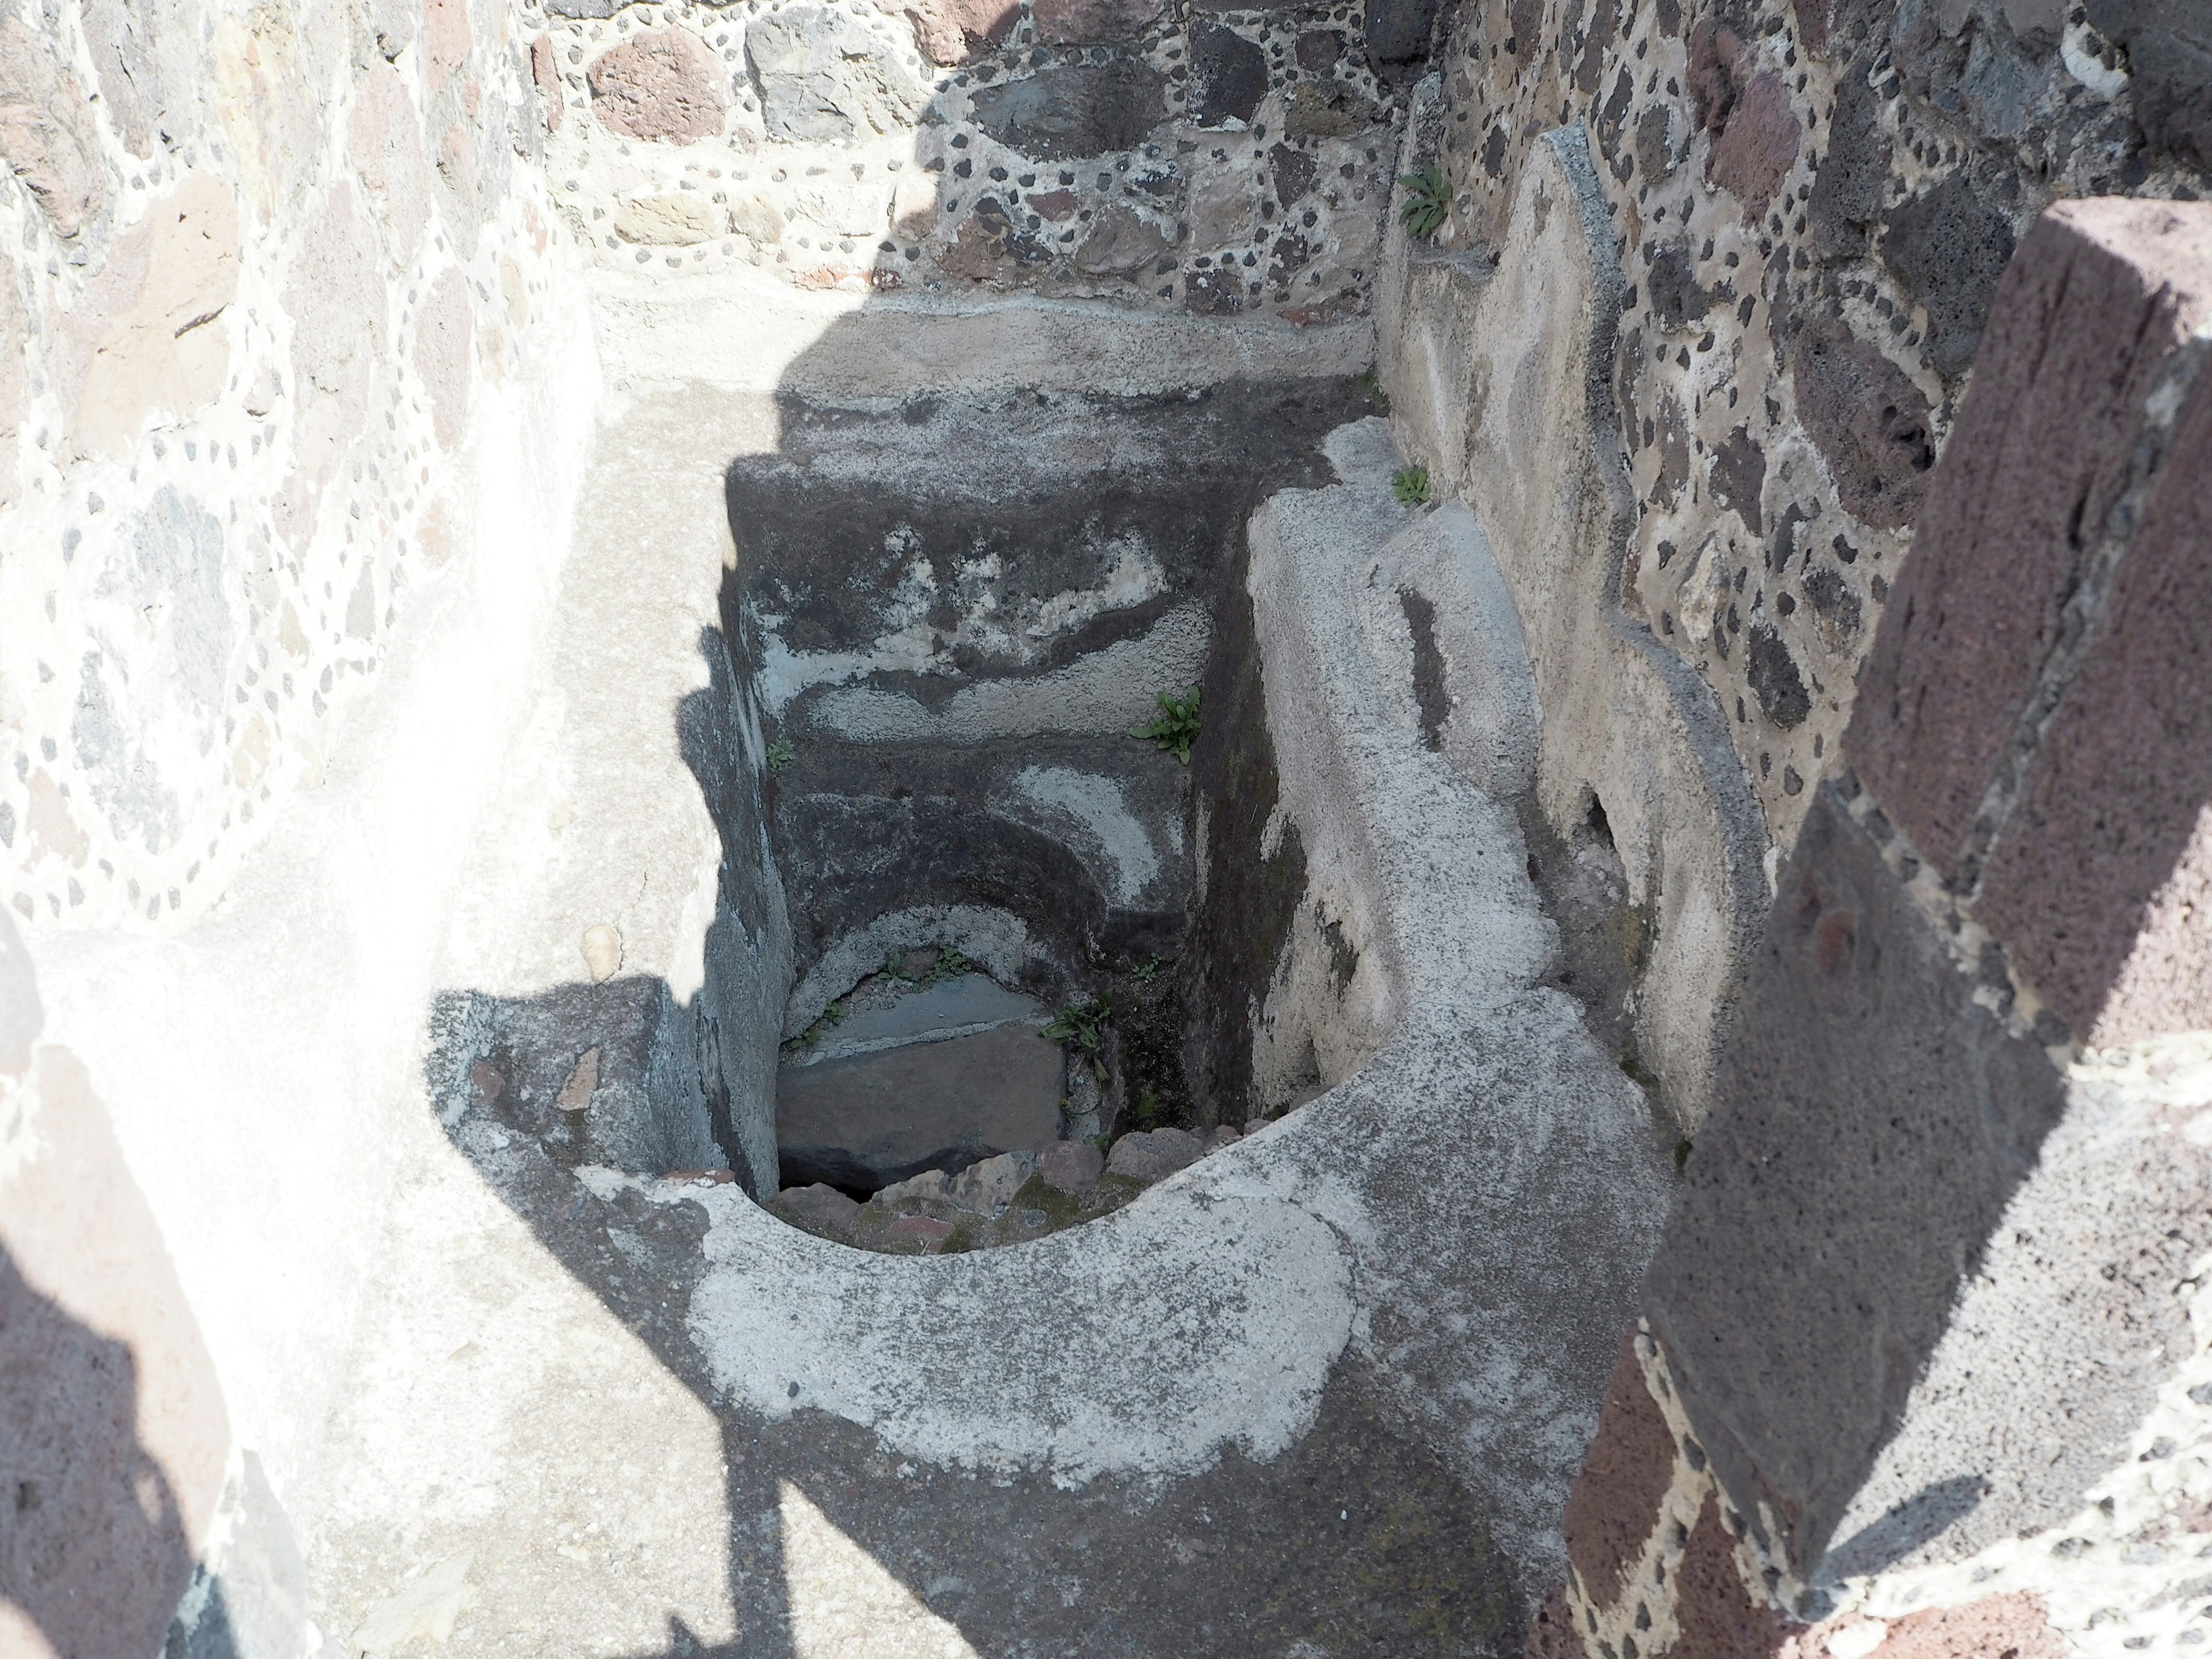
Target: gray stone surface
1075	109
887	1019
1151	1156
1502	386
874	1118
824	77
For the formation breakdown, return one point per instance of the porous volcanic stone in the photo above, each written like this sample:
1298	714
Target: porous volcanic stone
1095	22
1074	109
1949	247
1232	74
1614	1505
666	84
2102	294
1867	418
2101	881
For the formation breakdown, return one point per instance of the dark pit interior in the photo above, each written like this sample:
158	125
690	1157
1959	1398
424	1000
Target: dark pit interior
956	617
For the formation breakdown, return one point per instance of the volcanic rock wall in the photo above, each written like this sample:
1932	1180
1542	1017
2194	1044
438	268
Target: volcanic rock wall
1814	201
1221	159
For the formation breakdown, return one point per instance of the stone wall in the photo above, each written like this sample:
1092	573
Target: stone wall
1220	159
1814	201
272	282
1924	1366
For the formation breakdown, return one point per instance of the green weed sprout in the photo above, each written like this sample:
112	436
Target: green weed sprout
1174	728
1428	202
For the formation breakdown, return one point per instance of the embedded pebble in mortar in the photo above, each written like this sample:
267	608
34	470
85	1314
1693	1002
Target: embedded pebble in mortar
602	952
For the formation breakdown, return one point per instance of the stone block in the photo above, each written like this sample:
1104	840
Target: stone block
665	84
1752	155
989	1186
670	221
1949	246
818	1209
867	1119
546	75
1398	33
1714	1613
164	347
949	31
1095	22
1230	72
442	336
825	77
1153	1155
1121	243
1870	1122
2101	880
1070	110
2102	294
1071	1166
1868	420
2169	48
2016	1624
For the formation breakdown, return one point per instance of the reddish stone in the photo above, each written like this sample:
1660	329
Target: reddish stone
2100	883
948	31
1055	205
1713	1611
1095	22
1120	244
548	77
925	1231
1071	1166
1614	1505
486	1084
2097	300
1552	1633
666	85
1998	1627
1319	49
445	40
1756	150
443	329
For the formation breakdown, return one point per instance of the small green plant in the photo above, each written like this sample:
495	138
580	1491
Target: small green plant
781	754
1082	1027
1174	728
1148	1107
1428	201
950	964
1371	384
1410	484
1148	970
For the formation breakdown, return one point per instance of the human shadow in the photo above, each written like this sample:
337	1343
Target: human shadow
94	1552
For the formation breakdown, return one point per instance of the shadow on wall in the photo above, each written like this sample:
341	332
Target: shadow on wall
93	1550
114	1437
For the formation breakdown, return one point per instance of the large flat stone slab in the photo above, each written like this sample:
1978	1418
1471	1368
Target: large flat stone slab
869	1119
